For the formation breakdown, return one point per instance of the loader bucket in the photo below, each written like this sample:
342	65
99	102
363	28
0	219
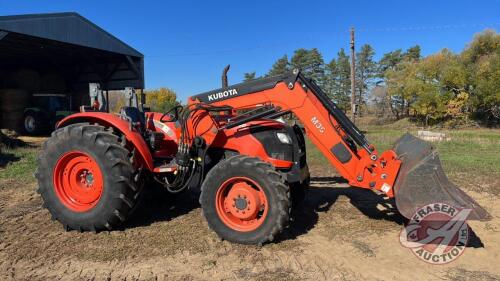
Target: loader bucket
422	181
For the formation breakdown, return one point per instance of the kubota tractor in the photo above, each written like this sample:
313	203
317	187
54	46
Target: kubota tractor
251	167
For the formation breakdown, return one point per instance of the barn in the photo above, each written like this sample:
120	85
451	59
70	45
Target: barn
47	62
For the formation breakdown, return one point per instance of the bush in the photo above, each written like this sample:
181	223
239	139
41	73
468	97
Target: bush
161	100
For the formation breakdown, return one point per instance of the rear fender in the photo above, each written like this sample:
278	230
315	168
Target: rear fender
123	126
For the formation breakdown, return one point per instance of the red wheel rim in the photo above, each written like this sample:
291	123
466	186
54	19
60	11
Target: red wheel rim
78	181
241	204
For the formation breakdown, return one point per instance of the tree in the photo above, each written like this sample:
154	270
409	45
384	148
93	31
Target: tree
300	59
395	66
481	59
413	54
425	86
439	87
161	100
396	81
311	63
366	71
280	67
389	61
434	87
331	76
337	81
249	76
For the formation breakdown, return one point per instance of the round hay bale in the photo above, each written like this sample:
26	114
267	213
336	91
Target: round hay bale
12	105
13	100
13	121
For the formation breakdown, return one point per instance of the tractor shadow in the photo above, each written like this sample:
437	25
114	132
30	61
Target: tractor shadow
6	158
324	192
157	205
10	143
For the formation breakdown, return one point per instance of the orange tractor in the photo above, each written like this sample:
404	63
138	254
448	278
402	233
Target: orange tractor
251	167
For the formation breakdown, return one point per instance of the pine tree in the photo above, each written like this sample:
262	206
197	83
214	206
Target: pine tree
366	70
280	67
249	76
299	59
413	54
388	67
337	82
389	61
311	63
331	76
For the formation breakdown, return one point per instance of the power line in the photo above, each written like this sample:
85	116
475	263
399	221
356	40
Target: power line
364	30
427	27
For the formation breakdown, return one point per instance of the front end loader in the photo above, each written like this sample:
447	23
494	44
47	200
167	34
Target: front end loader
250	166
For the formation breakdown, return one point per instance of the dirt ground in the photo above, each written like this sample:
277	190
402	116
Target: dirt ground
339	233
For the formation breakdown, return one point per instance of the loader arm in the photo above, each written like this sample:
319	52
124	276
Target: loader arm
411	172
342	143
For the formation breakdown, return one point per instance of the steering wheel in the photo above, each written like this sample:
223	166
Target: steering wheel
175	116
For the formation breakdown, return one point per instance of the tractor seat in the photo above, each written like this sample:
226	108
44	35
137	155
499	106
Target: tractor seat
134	115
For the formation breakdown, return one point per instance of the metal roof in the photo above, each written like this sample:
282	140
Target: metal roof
69	28
70	45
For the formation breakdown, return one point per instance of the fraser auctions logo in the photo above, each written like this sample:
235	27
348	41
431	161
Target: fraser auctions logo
224	94
437	233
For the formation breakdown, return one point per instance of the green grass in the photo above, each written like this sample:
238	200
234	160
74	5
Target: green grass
474	151
18	164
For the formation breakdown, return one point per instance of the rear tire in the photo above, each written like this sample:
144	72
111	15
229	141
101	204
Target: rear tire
33	123
86	178
230	189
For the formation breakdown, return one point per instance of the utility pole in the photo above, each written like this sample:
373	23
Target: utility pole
353	78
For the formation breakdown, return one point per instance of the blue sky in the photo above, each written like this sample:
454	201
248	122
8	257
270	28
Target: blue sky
187	43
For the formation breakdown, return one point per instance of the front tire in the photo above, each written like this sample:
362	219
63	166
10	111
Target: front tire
86	178
245	200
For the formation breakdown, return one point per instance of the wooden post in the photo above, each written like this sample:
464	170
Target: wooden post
353	78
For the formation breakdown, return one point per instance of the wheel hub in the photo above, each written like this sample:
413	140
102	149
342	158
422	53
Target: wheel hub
78	181
29	123
86	178
241	204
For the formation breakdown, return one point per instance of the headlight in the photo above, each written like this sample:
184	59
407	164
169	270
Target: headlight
284	138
